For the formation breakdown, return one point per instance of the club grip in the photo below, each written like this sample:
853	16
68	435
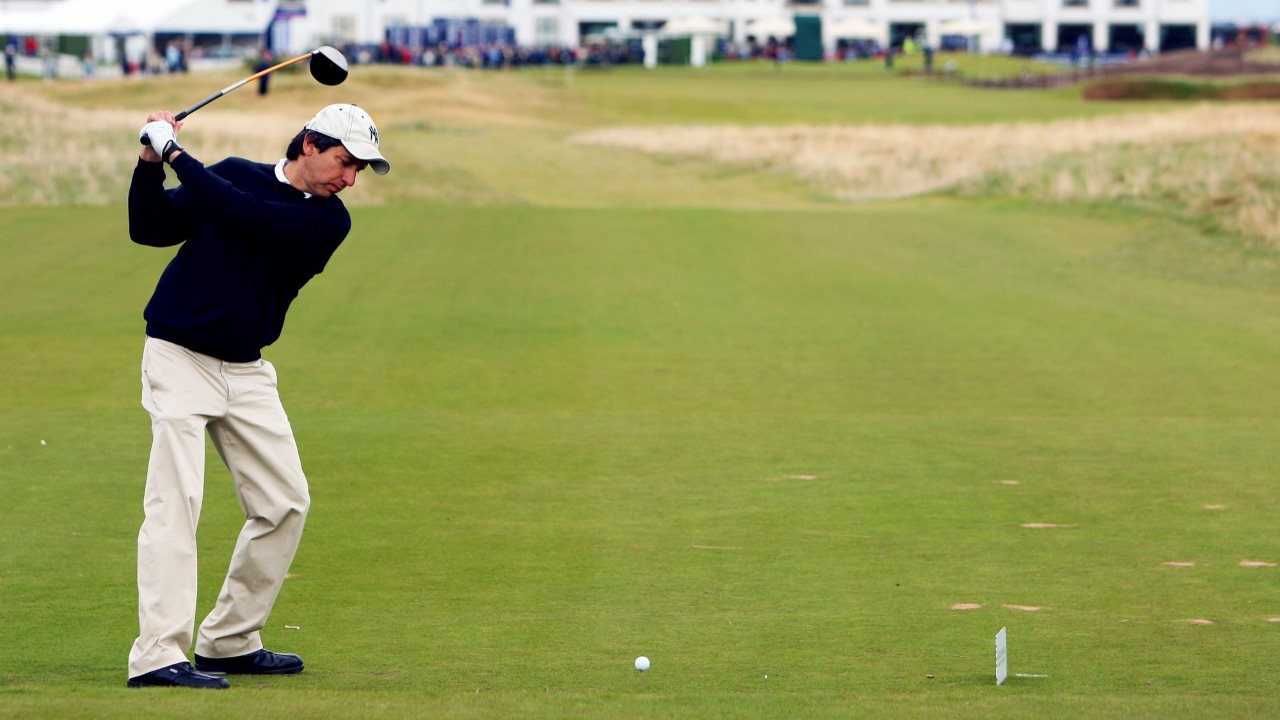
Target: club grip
182	115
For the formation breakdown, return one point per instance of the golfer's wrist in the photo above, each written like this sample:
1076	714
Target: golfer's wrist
171	151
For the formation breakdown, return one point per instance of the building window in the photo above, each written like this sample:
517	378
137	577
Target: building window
857	2
546	31
1075	3
1126	3
344	28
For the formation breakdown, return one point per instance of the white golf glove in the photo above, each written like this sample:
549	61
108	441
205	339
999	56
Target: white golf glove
160	136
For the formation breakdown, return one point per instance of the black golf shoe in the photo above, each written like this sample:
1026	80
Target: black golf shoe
178	675
262	662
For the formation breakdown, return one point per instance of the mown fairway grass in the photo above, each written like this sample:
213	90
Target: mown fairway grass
543	440
759	93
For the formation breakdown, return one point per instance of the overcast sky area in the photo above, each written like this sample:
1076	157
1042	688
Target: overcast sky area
1248	10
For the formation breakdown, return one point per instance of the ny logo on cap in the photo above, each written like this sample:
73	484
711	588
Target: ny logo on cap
373	134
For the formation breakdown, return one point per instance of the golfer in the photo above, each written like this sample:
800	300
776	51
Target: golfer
249	236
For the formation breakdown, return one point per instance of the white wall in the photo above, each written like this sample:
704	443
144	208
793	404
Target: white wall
542	22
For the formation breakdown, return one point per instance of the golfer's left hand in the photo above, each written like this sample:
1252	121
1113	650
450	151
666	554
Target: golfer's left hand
153	143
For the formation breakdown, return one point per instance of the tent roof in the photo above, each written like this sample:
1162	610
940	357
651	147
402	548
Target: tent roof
695	25
21	22
964	26
772	27
851	27
95	17
218	16
68	17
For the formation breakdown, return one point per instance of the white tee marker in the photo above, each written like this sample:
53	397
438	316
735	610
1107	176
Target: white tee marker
1002	656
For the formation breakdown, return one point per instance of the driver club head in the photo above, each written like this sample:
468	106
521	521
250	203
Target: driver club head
328	66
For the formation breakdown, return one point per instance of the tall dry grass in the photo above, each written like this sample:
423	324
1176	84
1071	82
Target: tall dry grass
59	154
1234	179
1222	160
72	142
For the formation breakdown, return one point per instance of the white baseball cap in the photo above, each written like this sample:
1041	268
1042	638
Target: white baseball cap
354	127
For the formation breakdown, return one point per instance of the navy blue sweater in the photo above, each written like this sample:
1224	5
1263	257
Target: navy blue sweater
248	244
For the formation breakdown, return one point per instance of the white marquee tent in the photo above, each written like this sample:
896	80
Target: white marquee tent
217	18
852	27
113	26
88	17
695	25
964	26
778	27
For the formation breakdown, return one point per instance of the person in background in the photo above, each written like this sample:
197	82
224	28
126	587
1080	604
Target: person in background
50	64
264	62
172	58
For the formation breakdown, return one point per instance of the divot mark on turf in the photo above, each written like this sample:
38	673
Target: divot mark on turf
1274	619
1215	507
1256	563
1023	608
714	547
966	606
1198	621
1044	525
1010	482
1175	563
803	476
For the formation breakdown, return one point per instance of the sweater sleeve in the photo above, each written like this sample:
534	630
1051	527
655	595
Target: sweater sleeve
308	231
156	216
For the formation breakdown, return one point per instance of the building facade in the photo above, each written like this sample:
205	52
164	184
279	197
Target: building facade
1024	25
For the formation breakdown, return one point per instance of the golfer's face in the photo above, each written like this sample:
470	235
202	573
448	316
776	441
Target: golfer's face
333	171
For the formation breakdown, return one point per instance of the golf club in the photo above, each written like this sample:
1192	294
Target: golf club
328	67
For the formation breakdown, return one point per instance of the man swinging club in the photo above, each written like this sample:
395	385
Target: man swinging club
250	236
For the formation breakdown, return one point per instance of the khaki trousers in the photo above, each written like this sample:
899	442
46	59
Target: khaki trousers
186	393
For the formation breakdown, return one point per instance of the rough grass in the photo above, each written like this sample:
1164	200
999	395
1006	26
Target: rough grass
1270	53
81	154
1223	161
1233	180
1182	89
800	137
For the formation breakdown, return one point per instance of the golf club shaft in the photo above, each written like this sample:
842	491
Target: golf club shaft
235	85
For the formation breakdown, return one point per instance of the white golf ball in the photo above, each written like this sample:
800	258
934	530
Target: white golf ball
642	663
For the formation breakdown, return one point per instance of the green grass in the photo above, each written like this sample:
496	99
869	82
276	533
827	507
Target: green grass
562	405
863	92
730	92
543	441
